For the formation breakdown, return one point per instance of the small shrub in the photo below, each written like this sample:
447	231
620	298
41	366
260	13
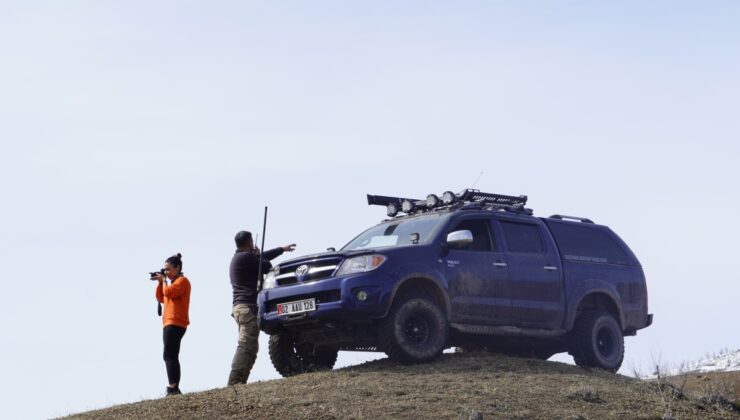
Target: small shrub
587	394
718	393
470	414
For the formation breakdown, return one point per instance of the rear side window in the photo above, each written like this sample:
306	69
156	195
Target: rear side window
522	237
589	244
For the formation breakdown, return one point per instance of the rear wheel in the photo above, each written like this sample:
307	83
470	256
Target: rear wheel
415	331
291	357
597	341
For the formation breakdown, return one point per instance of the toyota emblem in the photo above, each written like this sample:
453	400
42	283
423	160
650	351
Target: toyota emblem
301	271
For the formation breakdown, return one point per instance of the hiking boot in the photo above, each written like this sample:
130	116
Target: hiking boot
173	391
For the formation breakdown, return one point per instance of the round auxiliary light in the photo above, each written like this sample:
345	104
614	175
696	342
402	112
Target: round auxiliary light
392	210
407	206
361	295
449	197
432	200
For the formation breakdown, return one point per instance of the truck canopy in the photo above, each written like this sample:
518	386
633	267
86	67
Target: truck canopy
588	242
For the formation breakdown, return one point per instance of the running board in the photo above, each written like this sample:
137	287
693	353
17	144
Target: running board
506	330
359	348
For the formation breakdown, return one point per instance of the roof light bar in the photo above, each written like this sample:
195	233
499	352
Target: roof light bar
408	206
432	201
395	205
448	197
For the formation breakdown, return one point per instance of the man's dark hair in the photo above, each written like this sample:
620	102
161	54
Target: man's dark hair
175	261
243	238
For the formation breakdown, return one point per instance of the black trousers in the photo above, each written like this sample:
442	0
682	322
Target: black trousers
172	336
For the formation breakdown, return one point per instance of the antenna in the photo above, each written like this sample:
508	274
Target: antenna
476	181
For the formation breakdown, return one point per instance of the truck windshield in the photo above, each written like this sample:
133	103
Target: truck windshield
398	232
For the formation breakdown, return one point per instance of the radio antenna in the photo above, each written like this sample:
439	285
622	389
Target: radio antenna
478	179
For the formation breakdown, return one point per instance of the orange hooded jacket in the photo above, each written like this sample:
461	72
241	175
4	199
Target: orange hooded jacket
176	300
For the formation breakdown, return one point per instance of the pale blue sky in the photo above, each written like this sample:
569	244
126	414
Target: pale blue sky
133	130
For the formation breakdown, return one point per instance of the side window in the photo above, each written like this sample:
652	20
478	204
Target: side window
481	234
587	243
522	237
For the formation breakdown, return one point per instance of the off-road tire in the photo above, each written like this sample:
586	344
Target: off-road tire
415	331
597	341
290	358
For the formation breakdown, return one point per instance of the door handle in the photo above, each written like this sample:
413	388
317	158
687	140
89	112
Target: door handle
499	264
550	268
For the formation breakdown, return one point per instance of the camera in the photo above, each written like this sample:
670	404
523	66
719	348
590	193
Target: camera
152	274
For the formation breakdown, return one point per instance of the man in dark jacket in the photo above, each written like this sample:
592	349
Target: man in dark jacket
244	271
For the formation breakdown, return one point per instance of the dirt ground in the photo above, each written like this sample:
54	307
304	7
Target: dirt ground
457	386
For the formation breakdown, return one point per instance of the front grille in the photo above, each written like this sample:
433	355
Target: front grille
317	269
321	297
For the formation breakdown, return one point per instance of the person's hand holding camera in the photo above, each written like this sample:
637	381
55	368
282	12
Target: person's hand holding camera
157	275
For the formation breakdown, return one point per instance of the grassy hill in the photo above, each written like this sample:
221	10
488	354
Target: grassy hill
722	387
458	386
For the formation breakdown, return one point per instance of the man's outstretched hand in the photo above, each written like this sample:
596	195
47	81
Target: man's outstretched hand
289	248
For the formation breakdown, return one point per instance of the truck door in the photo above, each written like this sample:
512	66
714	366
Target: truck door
477	273
535	287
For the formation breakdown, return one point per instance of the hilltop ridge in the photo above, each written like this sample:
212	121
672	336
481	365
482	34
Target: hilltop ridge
724	361
468	385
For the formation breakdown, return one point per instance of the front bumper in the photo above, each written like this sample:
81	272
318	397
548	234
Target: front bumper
335	301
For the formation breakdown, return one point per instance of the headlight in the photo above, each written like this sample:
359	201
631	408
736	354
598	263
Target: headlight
269	281
361	264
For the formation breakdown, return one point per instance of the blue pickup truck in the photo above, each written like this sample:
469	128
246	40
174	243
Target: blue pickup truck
472	270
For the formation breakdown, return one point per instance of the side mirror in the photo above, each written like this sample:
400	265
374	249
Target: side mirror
332	249
459	238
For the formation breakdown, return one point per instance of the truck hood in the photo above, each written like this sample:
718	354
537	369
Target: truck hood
326	255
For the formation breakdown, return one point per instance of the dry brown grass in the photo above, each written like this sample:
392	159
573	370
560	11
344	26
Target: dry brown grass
721	388
464	386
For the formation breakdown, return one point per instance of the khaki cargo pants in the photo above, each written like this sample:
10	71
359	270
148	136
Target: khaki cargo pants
248	345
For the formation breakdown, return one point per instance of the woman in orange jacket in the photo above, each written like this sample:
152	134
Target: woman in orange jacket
176	300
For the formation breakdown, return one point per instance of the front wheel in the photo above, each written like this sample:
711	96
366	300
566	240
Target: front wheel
597	341
291	357
415	331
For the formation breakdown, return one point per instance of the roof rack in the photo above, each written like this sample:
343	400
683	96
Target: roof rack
381	200
564	217
476	195
516	208
469	198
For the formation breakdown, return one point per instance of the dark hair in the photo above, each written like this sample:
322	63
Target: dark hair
175	261
243	238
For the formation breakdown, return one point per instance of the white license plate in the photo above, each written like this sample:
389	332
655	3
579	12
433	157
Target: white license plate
297	307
